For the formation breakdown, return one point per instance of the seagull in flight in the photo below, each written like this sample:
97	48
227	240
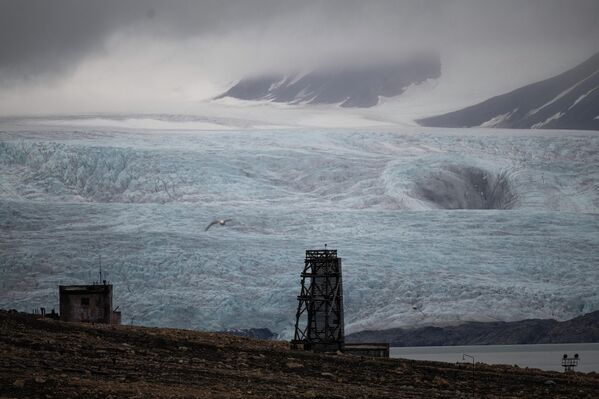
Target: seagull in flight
221	222
418	309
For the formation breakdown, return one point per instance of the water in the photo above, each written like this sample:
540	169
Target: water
545	356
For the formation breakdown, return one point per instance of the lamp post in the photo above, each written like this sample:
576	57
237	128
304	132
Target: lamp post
464	356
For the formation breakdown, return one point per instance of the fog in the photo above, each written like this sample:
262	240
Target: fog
148	56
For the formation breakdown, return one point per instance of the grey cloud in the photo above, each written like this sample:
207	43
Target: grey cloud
41	39
45	37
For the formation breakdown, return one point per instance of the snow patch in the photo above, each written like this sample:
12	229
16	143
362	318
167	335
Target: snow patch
498	119
579	99
546	121
137	123
304	96
334	120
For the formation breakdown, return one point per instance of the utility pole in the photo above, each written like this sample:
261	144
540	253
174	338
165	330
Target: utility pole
464	356
100	255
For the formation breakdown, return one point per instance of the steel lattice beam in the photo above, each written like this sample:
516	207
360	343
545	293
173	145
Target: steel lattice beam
319	317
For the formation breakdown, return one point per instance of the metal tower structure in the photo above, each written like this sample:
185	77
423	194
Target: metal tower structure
569	363
319	317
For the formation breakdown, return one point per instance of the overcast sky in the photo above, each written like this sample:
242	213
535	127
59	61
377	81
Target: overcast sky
77	56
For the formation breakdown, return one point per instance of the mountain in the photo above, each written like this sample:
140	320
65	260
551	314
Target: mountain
532	331
353	86
566	101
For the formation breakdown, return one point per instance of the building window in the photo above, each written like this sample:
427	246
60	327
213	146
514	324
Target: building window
84	301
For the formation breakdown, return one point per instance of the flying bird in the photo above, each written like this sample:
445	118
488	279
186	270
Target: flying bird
418	309
221	222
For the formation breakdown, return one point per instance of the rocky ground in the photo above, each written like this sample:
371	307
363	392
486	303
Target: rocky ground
49	359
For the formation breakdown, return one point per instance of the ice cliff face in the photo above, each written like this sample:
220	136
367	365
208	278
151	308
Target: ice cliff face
349	86
462	225
566	101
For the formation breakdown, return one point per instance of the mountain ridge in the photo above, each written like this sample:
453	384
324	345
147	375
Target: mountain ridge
581	329
569	100
349	86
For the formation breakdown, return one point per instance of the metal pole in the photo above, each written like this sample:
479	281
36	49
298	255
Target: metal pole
464	356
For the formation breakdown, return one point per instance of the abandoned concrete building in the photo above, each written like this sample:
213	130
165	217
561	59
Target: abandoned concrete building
88	304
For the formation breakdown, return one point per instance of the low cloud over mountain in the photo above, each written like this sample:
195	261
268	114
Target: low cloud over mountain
349	86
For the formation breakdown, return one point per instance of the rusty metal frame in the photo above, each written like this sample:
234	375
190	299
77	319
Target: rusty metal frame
319	317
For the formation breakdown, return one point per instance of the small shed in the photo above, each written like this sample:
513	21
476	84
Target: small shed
371	349
87	303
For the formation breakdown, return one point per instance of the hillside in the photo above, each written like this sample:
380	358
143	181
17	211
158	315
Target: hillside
566	101
50	359
533	331
348	86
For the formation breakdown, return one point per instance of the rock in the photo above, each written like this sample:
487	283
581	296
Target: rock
259	333
40	380
440	381
549	382
294	365
183	348
330	375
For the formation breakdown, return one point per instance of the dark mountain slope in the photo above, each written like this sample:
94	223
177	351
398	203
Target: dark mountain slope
567	101
349	86
533	331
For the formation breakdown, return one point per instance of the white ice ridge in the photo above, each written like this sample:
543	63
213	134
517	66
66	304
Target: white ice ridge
141	200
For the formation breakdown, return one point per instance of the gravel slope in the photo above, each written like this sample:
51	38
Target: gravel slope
48	359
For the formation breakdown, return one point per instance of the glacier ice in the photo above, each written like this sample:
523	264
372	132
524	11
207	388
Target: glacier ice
140	199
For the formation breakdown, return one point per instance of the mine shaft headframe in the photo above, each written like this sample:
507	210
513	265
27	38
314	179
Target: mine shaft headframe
319	318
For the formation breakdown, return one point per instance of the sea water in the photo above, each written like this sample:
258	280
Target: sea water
543	356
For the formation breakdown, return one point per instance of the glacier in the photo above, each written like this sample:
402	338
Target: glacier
460	224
